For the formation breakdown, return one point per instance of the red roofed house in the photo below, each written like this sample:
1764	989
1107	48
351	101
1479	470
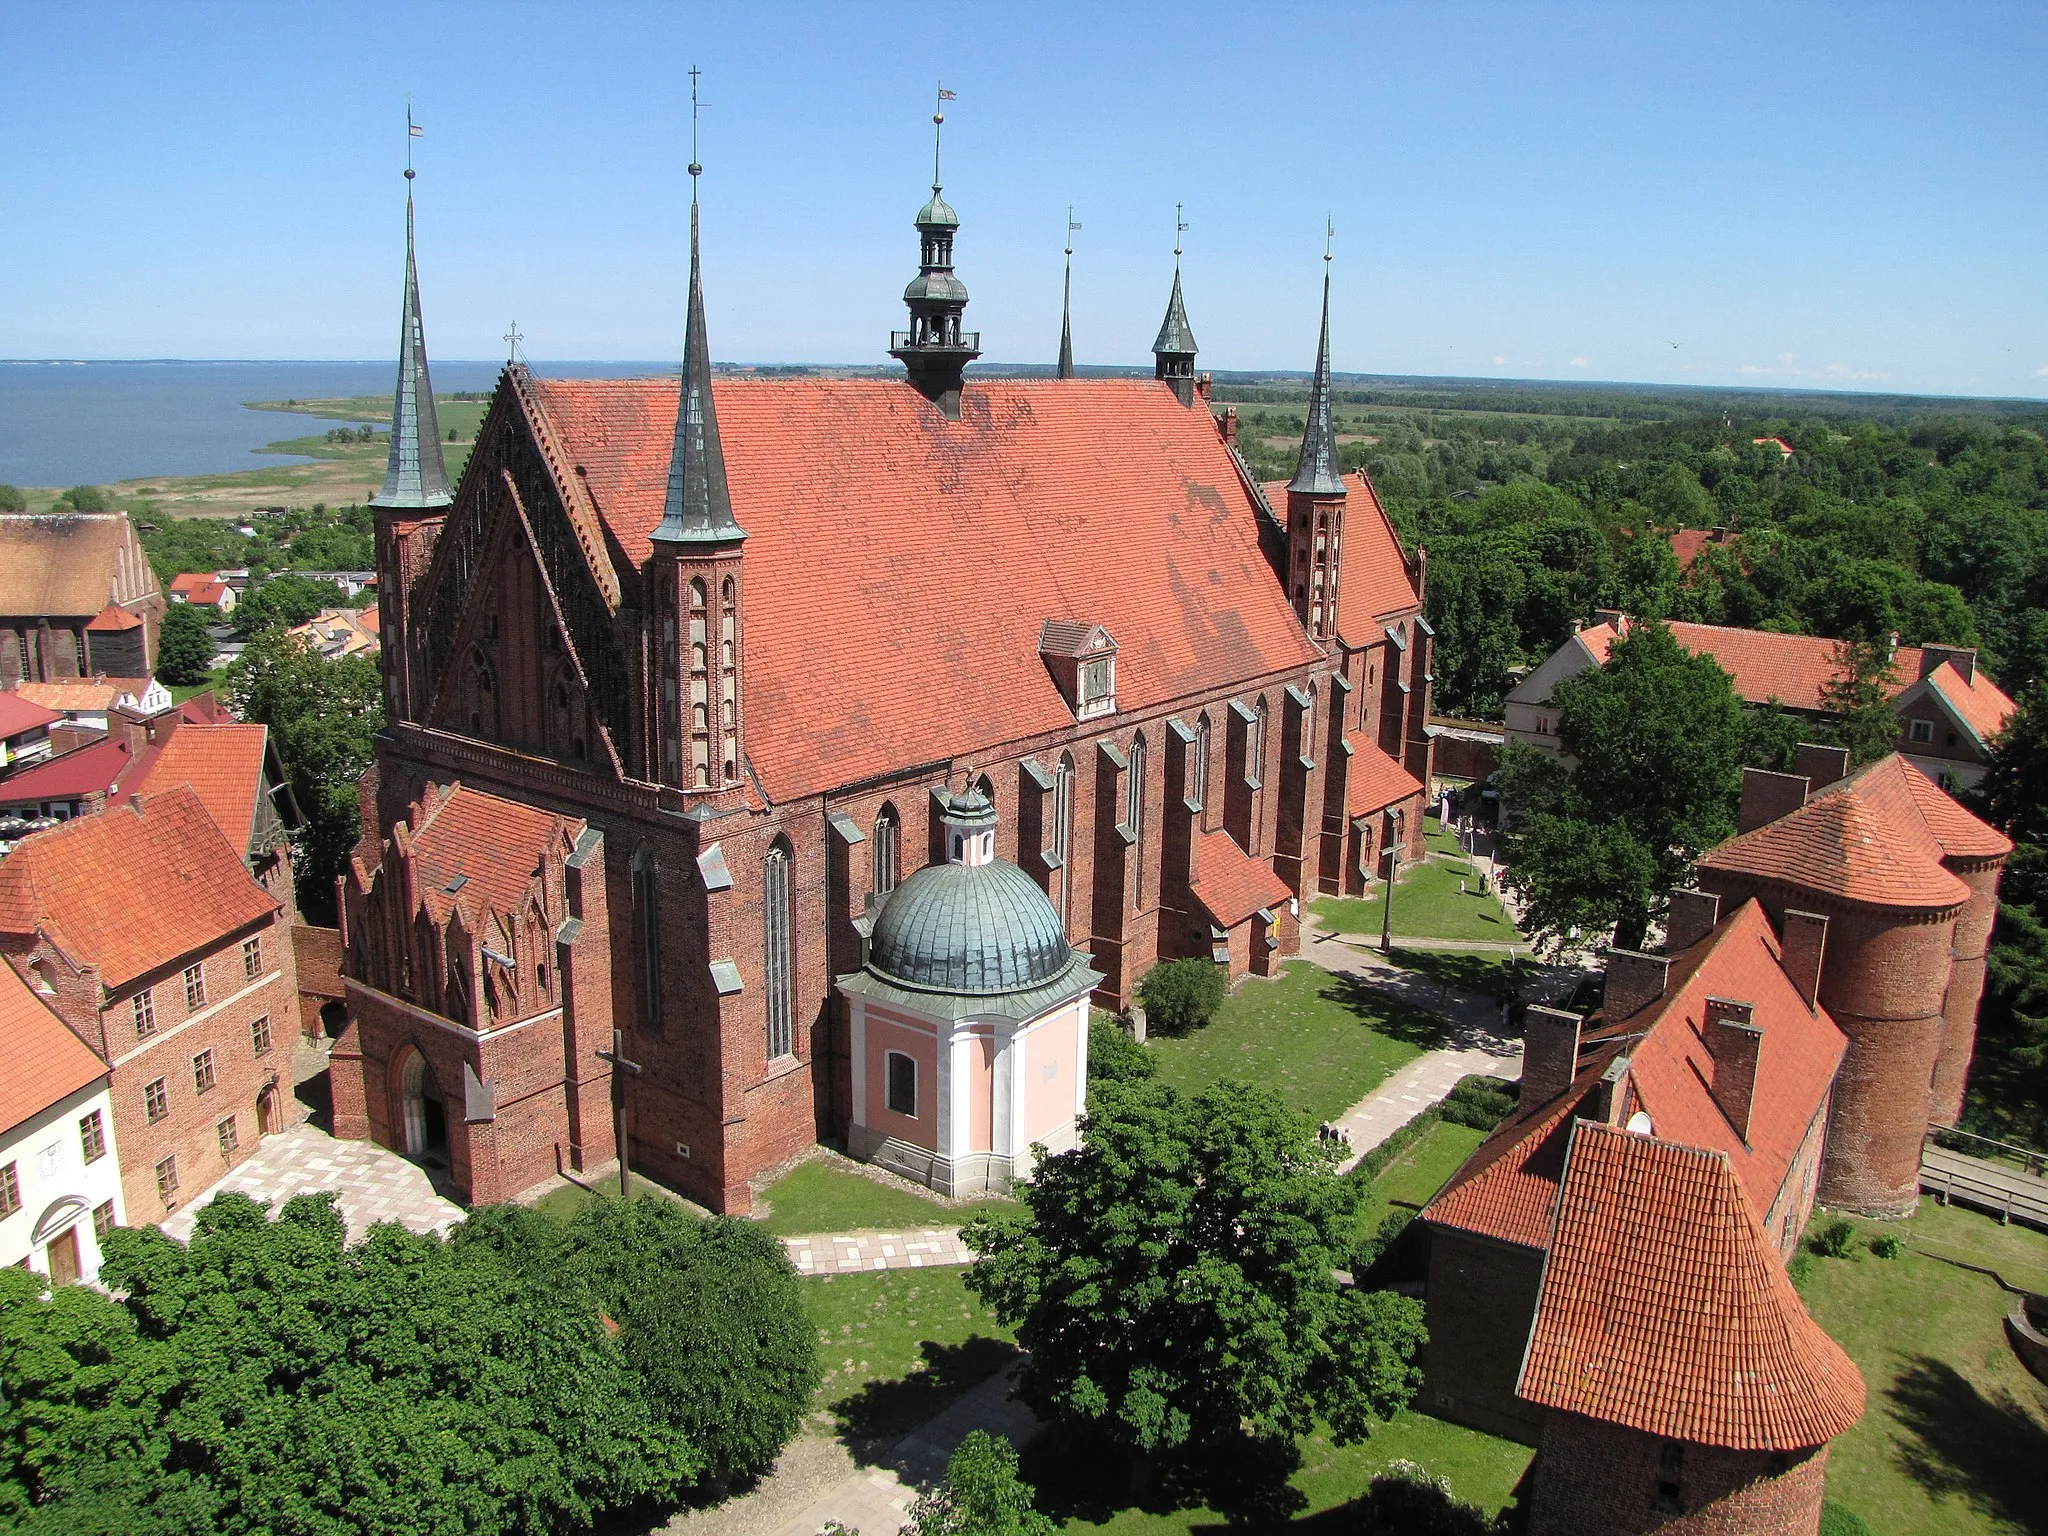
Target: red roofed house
479	992
235	771
1949	709
60	1183
1720	1042
203	589
1684	1387
143	930
1908	881
77	597
24	731
754	627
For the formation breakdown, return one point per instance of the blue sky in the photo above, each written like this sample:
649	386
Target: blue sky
1811	196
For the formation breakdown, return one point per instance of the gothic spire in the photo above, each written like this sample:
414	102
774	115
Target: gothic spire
699	504
1067	305
935	350
415	476
1173	354
1317	472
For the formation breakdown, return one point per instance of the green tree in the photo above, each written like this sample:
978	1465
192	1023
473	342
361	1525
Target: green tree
324	715
184	650
82	498
11	499
1114	1056
1172	1278
1646	576
284	602
1771	736
1657	735
1860	698
1181	995
2009	1075
981	1496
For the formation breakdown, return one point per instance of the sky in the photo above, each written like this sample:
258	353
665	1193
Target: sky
1802	196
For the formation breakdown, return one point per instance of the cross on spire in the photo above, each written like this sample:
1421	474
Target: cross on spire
1180	227
512	340
696	169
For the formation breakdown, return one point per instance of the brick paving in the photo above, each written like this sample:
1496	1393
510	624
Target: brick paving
373	1183
845	1252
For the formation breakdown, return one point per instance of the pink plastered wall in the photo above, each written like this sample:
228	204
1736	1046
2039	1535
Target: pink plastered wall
888	1032
1049	1096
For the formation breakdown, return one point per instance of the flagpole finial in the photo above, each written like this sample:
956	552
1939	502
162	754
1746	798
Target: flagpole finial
412	131
1180	227
938	126
1071	227
696	167
1329	234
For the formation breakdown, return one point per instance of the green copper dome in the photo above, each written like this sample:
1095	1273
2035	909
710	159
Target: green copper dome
970	928
936	214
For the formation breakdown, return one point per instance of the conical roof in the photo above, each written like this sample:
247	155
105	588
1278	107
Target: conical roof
1176	336
415	475
698	507
1317	473
1066	368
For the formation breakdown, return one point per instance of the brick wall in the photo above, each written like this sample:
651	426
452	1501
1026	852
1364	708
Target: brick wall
317	954
1965	985
1598	1479
1481	1300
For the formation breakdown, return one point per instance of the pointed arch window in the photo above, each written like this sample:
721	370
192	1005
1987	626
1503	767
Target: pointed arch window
1255	770
888	841
1199	779
1134	818
776	925
700	683
1063	829
1308	725
647	919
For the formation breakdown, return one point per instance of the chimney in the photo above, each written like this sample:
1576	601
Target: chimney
135	804
1230	425
1614	618
1692	917
1963	658
1550	1053
1204	384
1733	1040
1821	765
1634	981
1766	796
1801	950
1609	1097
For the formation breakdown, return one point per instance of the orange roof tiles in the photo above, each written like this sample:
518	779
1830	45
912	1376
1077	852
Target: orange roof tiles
18	715
113	617
900	567
1373	580
1507	1188
1980	703
131	891
495	846
46	1063
1877	837
1793	669
223	764
1374	780
75	697
1230	884
1664	1307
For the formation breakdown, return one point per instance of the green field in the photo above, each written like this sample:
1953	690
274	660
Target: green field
1412	1178
821	1197
1427	905
1955	1438
1322	1041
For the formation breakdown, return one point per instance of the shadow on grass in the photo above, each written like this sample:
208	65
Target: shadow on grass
1957	1441
883	1411
1079	1478
1396	1004
1477	972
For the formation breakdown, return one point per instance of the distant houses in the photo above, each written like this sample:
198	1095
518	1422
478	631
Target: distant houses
338	632
200	589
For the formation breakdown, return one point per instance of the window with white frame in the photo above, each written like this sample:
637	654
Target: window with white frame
143	1005
156	1099
92	1137
252	958
1098	685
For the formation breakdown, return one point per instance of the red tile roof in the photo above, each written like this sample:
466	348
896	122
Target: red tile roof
223	764
1374	780
930	553
1664	1307
88	770
46	1063
495	846
1879	837
1980	703
113	617
1374	583
1230	884
131	891
1793	669
18	715
1507	1188
199	588
1671	1069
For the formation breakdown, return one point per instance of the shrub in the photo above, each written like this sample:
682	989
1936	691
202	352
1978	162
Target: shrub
1405	1500
981	1496
1480	1102
11	499
1113	1056
1835	1239
1799	1269
1837	1520
1377	1260
1181	995
1887	1245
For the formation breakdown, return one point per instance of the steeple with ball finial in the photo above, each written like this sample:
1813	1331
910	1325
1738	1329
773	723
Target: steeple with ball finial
1066	365
1316	495
1173	354
697	576
935	350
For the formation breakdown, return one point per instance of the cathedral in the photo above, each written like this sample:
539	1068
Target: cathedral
811	752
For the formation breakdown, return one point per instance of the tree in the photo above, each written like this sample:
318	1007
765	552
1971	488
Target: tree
2009	1076
1771	736
1658	736
981	1496
1860	697
184	650
283	602
1114	1056
11	499
1180	995
81	498
1646	576
1173	1279
324	715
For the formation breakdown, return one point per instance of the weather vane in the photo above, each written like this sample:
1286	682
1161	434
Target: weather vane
696	169
412	131
938	122
1071	227
1180	227
1329	234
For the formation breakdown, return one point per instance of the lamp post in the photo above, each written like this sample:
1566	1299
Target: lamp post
617	1057
1392	855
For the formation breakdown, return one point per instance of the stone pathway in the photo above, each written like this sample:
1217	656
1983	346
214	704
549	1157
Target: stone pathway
841	1252
373	1184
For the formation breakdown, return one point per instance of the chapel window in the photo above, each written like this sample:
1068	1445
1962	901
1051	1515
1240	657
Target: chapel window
647	918
776	924
1063	827
1134	818
902	1084
887	841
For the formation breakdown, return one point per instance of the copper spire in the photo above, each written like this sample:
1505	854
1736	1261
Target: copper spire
1067	304
415	476
1318	473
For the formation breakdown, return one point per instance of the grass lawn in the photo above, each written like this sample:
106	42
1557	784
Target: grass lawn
1427	905
1956	1432
185	691
819	1197
1322	1041
897	1345
1417	1174
1477	971
567	1201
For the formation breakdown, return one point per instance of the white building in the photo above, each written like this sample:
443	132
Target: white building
60	1180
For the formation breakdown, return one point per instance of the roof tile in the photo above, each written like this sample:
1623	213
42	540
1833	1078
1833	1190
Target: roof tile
46	1063
223	764
1230	884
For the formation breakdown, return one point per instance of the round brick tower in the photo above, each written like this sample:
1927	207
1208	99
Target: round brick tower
1980	872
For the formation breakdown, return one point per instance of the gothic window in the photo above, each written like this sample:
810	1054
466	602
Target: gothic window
1198	790
887	840
1308	724
1134	818
647	918
456	996
776	922
481	688
700	685
1063	827
729	714
1255	769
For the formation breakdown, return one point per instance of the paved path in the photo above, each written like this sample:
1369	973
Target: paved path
841	1252
373	1183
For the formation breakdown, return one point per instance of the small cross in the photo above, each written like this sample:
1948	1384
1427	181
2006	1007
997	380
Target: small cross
616	1056
696	169
1180	227
512	340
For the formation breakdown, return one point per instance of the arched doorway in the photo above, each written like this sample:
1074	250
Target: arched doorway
425	1122
266	1110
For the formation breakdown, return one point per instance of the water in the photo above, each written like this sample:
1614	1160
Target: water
65	424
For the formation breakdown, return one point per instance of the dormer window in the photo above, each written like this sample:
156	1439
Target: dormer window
1082	660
